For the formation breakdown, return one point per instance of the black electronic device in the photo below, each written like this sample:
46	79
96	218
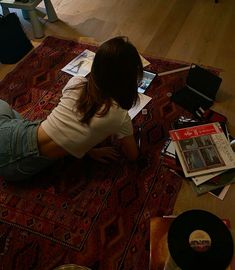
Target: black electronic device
199	91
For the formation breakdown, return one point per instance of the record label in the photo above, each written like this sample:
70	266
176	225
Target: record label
199	240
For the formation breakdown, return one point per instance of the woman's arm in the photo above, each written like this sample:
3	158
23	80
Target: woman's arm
129	147
110	153
104	154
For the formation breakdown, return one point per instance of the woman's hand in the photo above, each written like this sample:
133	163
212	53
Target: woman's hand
104	154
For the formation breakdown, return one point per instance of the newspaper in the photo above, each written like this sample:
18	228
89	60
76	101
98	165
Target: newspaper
203	149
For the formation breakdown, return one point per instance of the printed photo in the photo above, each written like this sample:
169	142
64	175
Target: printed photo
203	141
188	144
211	157
193	160
80	65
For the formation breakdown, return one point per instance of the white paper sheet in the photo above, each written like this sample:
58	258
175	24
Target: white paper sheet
80	65
143	100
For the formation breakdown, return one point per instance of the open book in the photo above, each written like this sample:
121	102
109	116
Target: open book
203	149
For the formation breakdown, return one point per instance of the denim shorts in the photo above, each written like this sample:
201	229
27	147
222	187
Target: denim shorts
19	155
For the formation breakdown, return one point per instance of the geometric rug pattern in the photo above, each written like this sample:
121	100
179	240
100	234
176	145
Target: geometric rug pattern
81	211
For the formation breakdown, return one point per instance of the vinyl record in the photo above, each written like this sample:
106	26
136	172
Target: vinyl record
199	240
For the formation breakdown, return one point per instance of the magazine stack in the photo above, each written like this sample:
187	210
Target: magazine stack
206	156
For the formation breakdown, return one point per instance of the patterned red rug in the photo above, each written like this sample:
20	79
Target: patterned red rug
80	211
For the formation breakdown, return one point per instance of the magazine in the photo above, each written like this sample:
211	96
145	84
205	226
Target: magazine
168	148
219	181
80	65
203	149
220	192
200	179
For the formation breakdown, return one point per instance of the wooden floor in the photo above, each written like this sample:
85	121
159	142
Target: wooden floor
197	31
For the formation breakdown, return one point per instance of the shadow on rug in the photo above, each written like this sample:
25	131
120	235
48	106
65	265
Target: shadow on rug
81	211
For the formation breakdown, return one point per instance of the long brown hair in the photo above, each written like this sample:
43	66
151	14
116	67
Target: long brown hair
115	73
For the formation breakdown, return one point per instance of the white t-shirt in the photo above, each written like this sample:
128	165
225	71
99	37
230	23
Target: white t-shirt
65	129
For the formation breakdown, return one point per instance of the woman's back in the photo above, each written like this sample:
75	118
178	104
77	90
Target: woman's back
64	128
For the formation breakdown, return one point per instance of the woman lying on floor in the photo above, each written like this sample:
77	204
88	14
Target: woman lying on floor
90	110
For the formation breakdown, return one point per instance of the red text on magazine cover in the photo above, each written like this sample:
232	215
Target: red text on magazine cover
191	132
